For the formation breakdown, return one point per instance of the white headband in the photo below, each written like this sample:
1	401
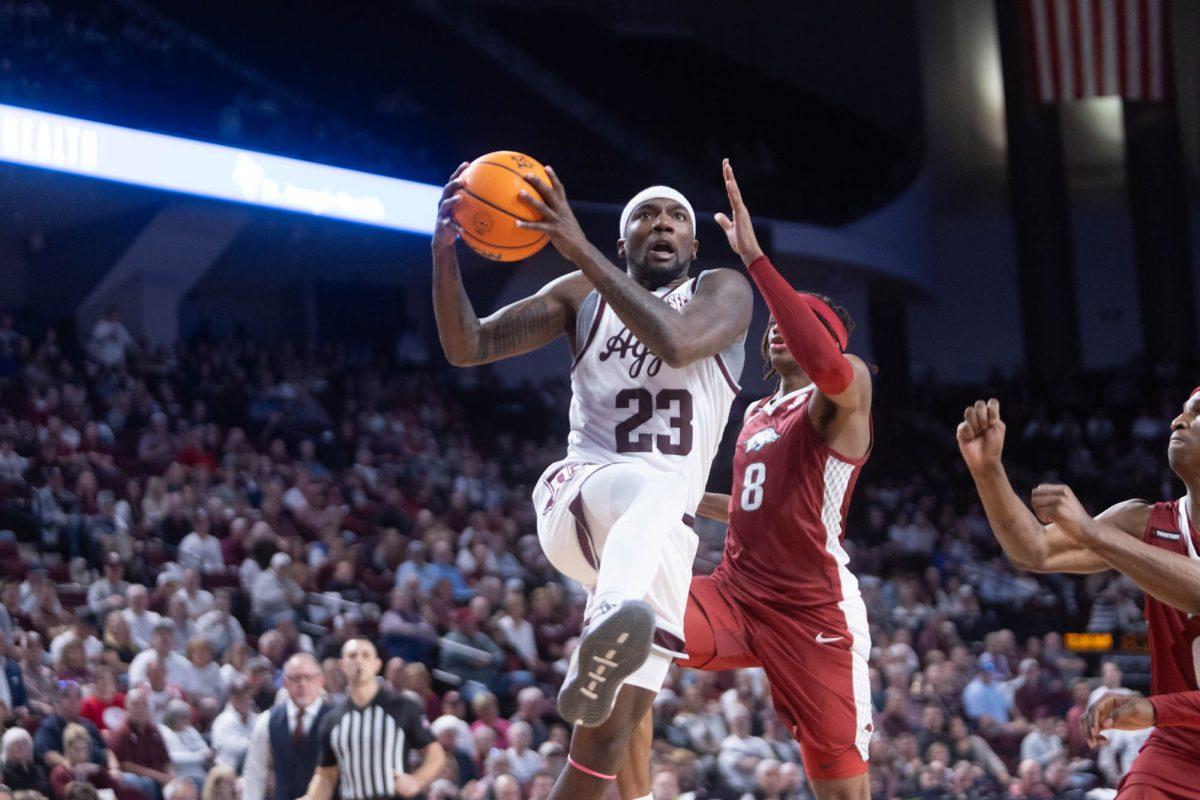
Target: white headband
656	193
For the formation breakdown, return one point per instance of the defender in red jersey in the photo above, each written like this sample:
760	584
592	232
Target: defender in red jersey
1157	545
782	597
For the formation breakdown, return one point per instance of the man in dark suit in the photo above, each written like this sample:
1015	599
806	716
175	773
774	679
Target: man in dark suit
284	740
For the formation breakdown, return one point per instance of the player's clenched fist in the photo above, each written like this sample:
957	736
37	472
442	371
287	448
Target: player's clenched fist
1057	504
1121	712
981	435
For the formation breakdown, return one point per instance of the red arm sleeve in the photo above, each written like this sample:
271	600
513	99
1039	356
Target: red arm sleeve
806	337
1177	710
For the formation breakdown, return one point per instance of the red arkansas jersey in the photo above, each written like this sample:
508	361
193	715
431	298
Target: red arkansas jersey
1174	657
787	512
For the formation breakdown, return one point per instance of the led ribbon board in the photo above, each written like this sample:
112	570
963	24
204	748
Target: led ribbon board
1089	642
97	150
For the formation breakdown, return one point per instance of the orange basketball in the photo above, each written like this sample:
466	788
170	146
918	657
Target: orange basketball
489	208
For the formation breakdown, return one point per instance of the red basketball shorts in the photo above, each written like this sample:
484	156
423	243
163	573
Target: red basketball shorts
1160	772
814	657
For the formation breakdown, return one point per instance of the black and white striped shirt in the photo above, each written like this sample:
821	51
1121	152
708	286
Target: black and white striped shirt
369	745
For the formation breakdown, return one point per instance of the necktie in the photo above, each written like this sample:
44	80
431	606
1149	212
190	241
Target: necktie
298	734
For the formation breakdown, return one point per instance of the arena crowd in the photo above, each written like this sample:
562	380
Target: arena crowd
182	525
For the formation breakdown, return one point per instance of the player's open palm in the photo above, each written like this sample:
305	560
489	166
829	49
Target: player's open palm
739	230
981	434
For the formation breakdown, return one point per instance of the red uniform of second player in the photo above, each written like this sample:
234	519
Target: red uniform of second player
1170	760
782	597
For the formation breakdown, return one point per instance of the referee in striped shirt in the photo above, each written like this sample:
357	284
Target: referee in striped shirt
366	739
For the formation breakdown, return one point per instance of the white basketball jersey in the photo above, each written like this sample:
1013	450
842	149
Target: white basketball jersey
627	404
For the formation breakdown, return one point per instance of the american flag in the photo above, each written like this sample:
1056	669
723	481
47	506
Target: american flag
1098	48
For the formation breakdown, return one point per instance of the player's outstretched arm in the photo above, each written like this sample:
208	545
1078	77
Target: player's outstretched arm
517	328
714	506
714	319
843	379
841	409
1028	543
1173	578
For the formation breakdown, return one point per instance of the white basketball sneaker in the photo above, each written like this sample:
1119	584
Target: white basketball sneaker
615	643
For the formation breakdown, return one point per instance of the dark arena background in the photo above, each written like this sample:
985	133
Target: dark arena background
229	434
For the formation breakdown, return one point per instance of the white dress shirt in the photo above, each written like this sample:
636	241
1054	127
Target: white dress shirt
231	735
258	754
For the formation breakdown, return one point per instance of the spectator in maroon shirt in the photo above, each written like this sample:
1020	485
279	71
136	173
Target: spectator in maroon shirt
1037	690
233	547
194	454
137	743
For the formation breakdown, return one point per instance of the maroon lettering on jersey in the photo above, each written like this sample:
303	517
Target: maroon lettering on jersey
624	344
678	401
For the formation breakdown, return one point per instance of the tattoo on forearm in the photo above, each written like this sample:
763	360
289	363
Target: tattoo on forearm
641	311
516	331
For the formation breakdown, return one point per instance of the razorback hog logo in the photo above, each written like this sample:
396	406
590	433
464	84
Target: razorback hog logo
761	439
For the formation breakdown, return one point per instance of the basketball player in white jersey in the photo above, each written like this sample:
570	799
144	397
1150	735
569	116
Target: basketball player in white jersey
656	356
